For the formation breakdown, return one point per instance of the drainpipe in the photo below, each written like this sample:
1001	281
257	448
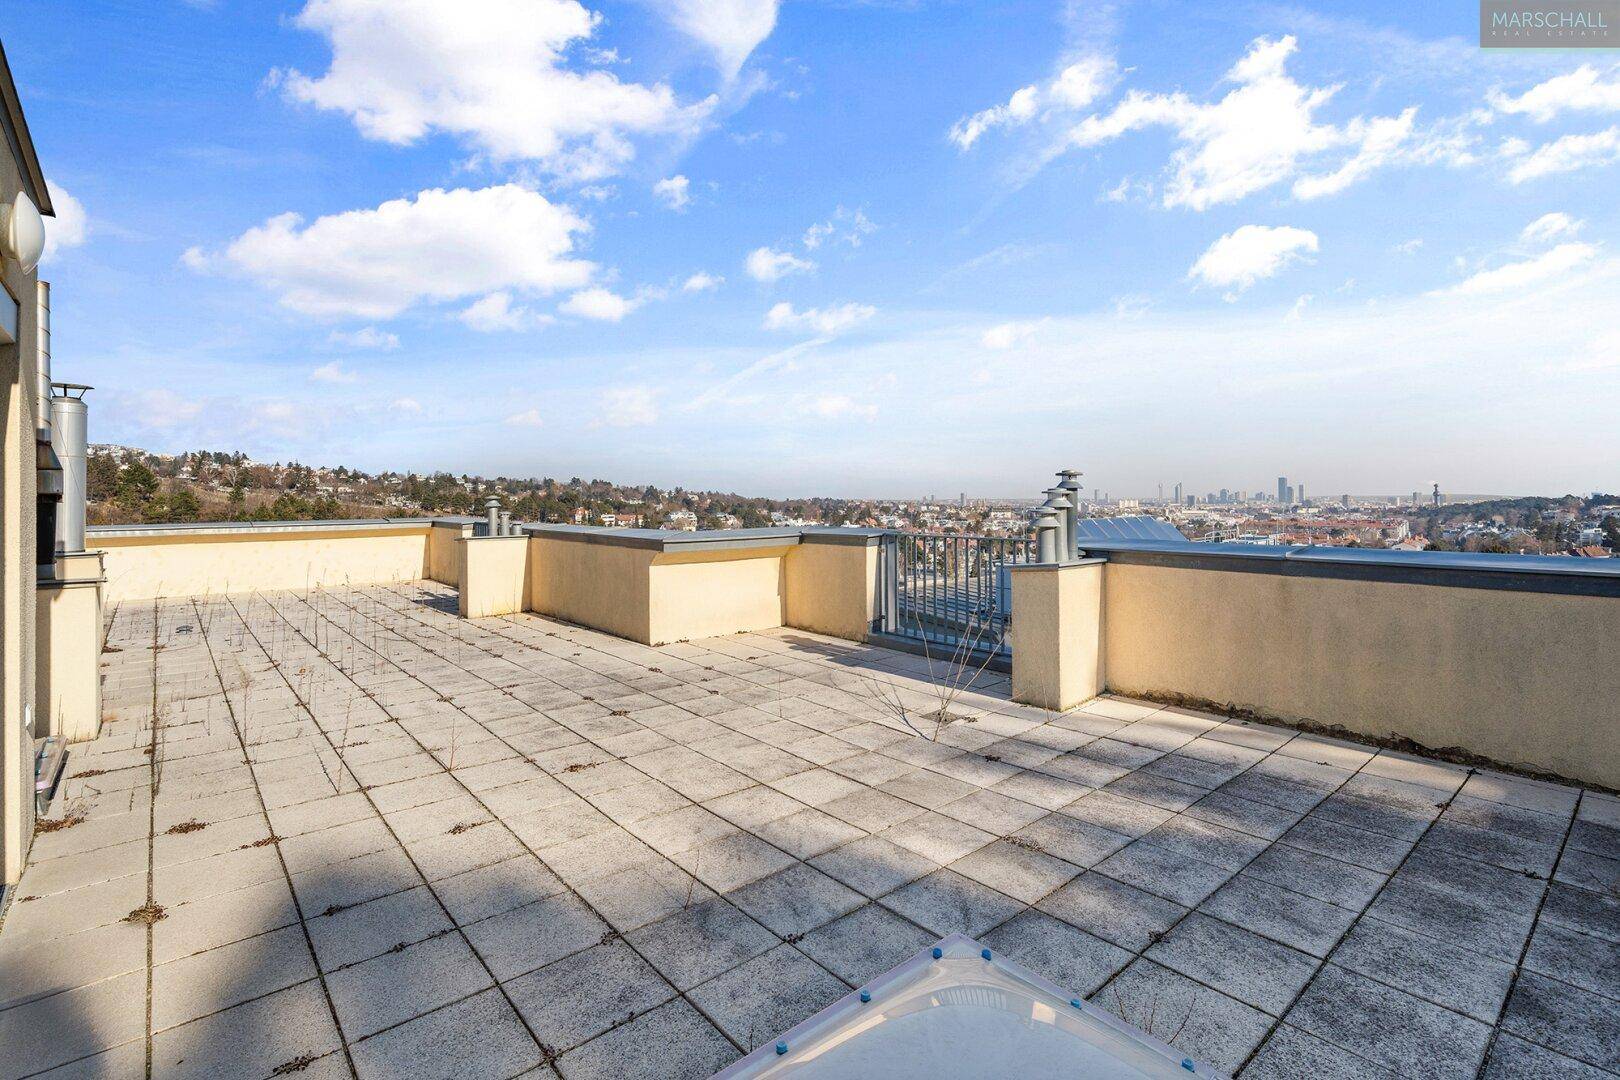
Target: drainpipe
492	515
69	431
42	375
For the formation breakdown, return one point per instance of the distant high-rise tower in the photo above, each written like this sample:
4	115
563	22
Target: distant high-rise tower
1282	489
1416	498
1302	494
1437	494
961	499
1178	494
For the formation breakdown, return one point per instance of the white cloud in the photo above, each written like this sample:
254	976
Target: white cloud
526	418
1550	227
1583	90
825	321
1074	88
1565	154
702	281
1547	266
1261	133
764	264
441	245
496	312
730	29
844	226
1250	253
1008	334
833	406
490	71
368	337
69	228
600	304
409	406
629	406
1408	247
675	191
333	372
162	408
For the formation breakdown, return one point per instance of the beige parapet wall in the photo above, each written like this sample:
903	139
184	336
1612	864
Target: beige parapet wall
1056	633
492	571
147	562
68	633
656	587
1520	676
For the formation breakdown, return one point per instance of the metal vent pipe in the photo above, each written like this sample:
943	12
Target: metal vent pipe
42	386
492	515
69	438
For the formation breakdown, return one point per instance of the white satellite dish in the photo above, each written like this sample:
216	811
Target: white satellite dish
22	232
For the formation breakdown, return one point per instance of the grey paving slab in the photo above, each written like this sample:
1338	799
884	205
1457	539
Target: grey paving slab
404	983
1394	1029
1114	911
1255	970
795	901
865	943
702	941
754	1002
1191	1017
673	1042
1077	961
945	902
581	996
478	1038
530	937
1565	1019
1430	968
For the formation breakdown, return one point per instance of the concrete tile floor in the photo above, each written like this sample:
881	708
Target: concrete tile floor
381	841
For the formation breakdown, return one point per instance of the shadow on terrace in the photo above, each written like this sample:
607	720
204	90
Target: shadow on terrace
654	801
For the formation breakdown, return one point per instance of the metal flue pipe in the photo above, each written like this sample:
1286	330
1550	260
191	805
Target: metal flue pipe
492	515
506	523
69	439
1046	535
1057	500
1069	481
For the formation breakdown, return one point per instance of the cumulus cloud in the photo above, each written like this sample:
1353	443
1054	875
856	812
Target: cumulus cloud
826	321
493	72
1565	154
69	228
368	337
834	406
438	246
629	406
764	264
526	418
1248	254
730	29
1583	90
1074	88
1514	276
602	305
1007	334
702	281
674	191
407	405
496	312
333	372
1550	227
844	226
1261	133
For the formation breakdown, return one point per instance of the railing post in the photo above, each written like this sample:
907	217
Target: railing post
891	583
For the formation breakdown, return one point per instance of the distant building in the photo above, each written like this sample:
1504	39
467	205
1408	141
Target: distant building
1283	491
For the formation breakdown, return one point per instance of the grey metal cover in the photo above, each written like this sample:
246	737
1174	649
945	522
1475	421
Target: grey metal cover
958	1011
1132	527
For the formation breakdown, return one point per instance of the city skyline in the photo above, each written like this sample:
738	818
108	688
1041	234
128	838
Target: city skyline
773	262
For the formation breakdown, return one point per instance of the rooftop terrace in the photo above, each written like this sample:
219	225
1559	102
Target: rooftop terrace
342	831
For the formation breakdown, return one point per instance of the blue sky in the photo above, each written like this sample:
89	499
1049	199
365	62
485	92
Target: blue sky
837	248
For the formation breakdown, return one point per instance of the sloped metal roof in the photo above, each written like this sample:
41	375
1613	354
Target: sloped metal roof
1132	527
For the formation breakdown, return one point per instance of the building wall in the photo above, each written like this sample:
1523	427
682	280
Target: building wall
831	588
1525	678
69	635
18	575
1056	633
492	571
701	594
444	553
597	585
211	562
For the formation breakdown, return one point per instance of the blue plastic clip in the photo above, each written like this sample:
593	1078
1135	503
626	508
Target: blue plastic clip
1075	1002
866	995
985	953
1187	1063
781	1048
938	952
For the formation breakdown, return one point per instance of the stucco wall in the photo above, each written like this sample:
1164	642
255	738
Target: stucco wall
492	571
68	625
444	556
1056	633
1526	678
203	562
831	588
595	585
709	593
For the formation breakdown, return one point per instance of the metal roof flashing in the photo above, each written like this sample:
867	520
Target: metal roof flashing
959	1010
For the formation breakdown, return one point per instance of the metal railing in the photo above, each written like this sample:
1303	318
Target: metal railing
942	589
